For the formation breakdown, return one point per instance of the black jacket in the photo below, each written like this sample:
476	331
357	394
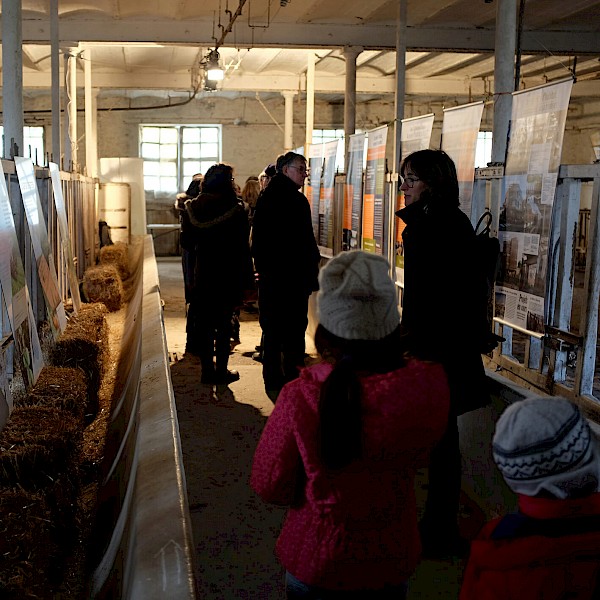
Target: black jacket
441	313
217	227
283	243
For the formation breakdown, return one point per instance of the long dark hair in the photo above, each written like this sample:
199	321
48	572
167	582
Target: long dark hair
340	406
436	169
219	180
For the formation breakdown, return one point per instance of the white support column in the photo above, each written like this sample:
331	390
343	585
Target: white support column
310	101
12	76
350	55
91	141
72	89
400	82
288	136
504	75
67	159
55	68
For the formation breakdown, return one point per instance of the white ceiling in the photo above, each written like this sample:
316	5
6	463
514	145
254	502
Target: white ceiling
157	46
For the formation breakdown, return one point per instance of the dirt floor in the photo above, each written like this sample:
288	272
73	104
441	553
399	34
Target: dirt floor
234	532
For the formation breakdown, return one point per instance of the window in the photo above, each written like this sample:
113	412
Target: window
322	136
173	154
483	150
33	142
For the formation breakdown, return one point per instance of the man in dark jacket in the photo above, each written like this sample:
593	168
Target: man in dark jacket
286	258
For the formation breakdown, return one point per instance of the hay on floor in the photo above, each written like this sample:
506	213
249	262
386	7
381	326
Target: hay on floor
103	284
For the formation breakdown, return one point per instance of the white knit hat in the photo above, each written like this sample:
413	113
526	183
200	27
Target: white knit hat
357	299
545	444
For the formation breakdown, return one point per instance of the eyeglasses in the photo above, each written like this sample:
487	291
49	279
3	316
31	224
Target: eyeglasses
299	169
409	181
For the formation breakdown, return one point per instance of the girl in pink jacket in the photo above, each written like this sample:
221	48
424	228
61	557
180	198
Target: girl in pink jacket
345	439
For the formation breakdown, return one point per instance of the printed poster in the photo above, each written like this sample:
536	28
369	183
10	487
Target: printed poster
353	193
41	246
372	224
327	197
533	159
315	165
16	293
414	135
65	240
459	140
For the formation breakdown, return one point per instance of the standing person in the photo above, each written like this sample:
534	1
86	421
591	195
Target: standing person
188	258
266	176
223	268
550	548
345	440
286	258
442	321
250	193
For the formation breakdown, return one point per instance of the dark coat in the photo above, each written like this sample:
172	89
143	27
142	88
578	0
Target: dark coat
441	313
218	227
283	243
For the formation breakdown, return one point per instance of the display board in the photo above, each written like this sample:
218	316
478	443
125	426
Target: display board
353	193
327	194
533	159
313	190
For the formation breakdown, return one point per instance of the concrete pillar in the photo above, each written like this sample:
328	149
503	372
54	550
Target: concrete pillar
350	55
12	76
310	100
504	75
91	139
288	131
400	82
55	68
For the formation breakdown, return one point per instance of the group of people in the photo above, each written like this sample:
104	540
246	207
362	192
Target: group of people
348	434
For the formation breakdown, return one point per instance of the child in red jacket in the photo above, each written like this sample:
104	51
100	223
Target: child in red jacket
550	548
345	439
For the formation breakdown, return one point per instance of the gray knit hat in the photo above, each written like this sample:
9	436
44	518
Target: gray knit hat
357	298
545	444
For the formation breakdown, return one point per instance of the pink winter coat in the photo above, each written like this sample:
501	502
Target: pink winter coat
355	528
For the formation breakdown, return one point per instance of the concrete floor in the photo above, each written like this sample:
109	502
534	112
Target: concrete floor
234	531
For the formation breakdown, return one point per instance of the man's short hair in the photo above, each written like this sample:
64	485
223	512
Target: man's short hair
287	159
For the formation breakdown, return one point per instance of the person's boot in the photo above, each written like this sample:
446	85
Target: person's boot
226	376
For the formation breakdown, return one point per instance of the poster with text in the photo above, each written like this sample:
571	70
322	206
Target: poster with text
415	135
313	190
57	318
533	159
327	197
459	140
372	225
353	193
16	294
65	238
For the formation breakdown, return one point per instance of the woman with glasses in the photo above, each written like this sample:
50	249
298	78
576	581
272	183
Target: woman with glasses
441	302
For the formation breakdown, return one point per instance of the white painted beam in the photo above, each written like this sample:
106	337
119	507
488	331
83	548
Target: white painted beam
305	35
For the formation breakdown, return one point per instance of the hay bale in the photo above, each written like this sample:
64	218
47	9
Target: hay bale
37	446
84	345
60	388
27	546
118	255
103	284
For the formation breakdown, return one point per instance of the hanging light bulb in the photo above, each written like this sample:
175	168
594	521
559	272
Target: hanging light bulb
214	70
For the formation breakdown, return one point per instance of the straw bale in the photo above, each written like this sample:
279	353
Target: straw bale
37	445
84	345
118	255
103	284
27	546
61	388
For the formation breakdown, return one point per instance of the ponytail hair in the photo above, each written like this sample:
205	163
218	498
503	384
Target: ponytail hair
340	431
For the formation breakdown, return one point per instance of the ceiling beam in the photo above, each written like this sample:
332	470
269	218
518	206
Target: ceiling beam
304	36
433	86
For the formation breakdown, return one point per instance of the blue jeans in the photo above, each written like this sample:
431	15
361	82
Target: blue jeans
297	590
